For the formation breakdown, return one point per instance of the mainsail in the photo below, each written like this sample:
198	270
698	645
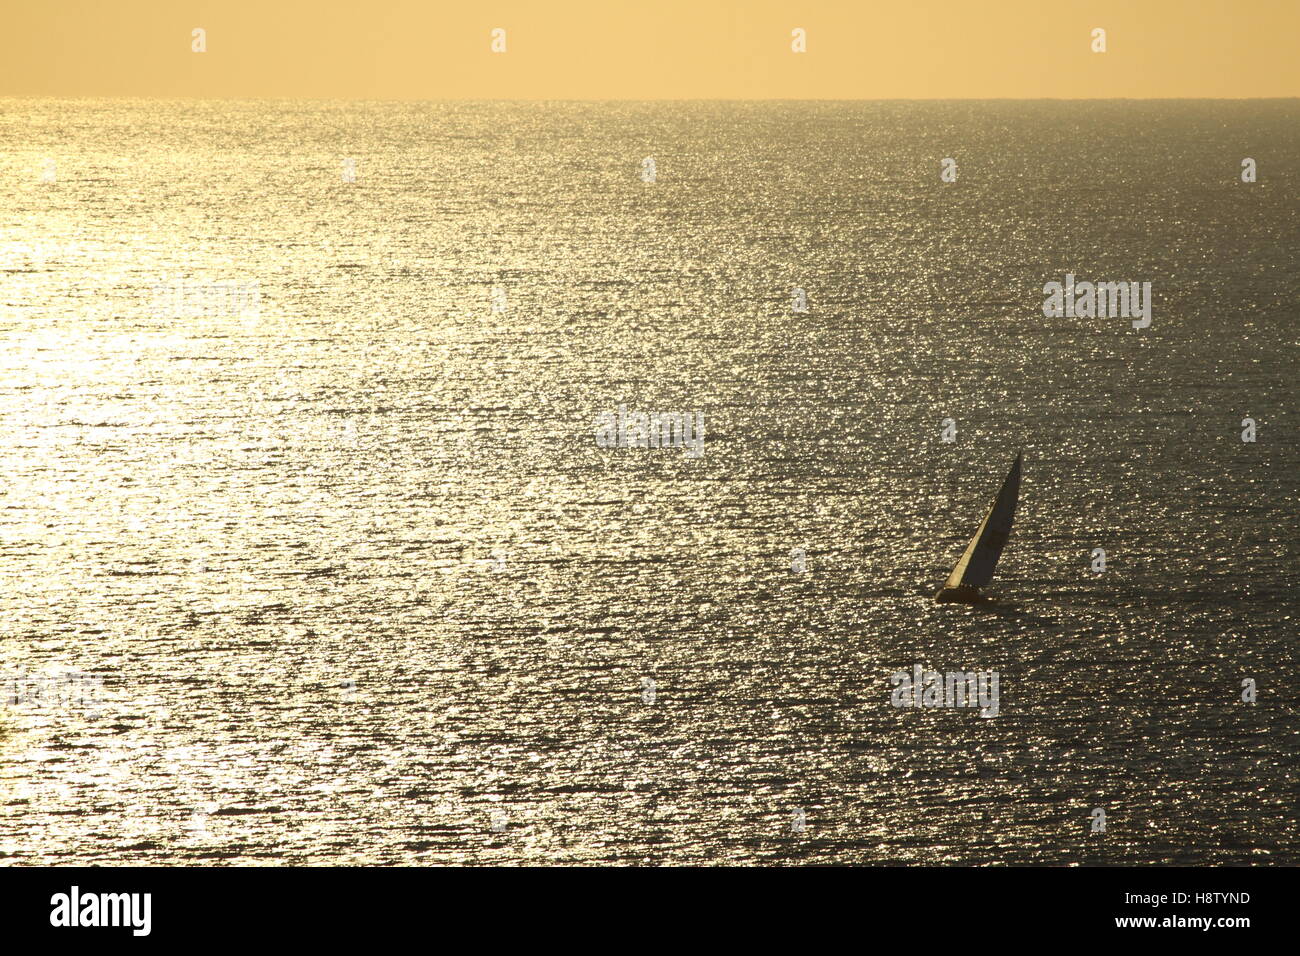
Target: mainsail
975	569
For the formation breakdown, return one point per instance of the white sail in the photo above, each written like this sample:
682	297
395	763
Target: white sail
975	569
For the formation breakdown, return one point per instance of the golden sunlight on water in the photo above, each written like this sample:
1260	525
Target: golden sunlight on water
310	553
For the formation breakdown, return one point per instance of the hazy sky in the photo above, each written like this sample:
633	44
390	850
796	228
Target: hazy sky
650	49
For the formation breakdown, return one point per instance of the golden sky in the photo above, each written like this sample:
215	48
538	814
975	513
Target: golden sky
650	49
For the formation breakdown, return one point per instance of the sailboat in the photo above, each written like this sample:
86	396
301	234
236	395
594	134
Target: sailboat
975	569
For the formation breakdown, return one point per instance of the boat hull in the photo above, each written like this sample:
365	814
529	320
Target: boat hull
962	594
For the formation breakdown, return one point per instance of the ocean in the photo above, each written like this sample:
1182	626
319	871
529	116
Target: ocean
310	552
